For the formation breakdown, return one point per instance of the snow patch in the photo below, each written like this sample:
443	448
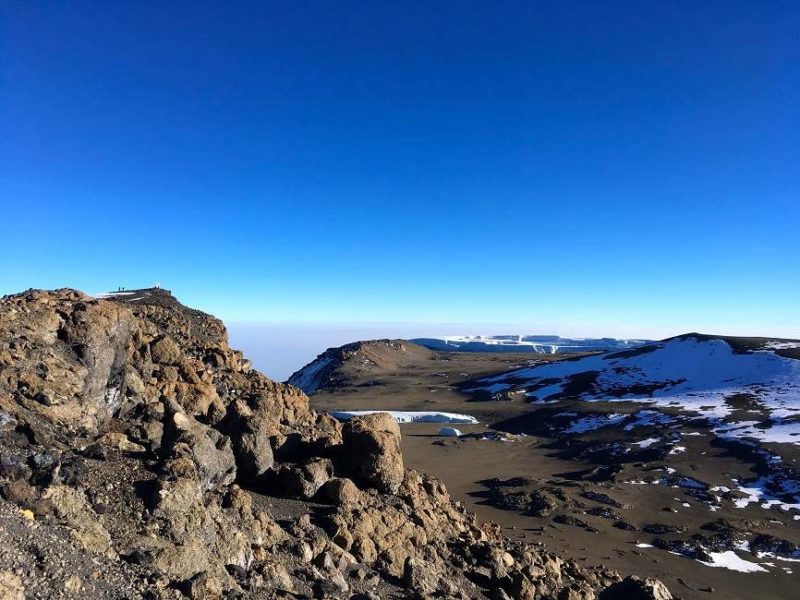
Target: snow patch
694	375
594	422
756	492
402	416
730	560
781	345
649	418
775	431
112	294
647	443
540	344
449	432
308	378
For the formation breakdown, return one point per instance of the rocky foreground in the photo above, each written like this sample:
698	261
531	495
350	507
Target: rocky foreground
140	456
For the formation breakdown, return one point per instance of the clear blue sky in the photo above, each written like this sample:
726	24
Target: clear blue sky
626	167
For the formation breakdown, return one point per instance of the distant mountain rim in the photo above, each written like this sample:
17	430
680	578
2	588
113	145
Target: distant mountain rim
541	344
336	367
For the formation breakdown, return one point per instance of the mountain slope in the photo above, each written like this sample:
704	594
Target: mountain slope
715	417
131	432
701	374
344	365
669	459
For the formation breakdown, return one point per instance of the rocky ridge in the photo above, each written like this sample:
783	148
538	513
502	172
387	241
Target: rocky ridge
338	367
154	458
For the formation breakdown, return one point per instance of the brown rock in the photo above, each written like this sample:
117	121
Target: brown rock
204	587
182	561
250	434
276	577
340	491
118	442
20	492
11	587
371	451
71	506
522	588
577	592
418	578
165	351
303	481
68	358
635	588
207	448
197	398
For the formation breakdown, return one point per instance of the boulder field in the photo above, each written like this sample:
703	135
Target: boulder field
141	456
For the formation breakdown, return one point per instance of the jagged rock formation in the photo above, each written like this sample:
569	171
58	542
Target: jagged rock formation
136	439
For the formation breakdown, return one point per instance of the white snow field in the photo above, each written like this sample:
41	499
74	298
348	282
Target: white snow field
406	416
541	344
730	560
308	378
695	375
112	294
594	422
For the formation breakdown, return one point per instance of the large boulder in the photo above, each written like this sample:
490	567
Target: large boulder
636	588
250	434
205	447
71	506
370	452
372	530
165	351
304	480
202	532
62	359
340	491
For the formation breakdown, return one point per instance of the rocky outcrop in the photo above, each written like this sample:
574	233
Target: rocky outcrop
11	586
208	451
371	451
340	367
66	367
635	588
131	424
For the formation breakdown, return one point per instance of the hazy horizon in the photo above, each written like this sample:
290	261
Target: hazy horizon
279	349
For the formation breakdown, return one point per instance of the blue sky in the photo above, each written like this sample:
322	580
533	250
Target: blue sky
628	168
